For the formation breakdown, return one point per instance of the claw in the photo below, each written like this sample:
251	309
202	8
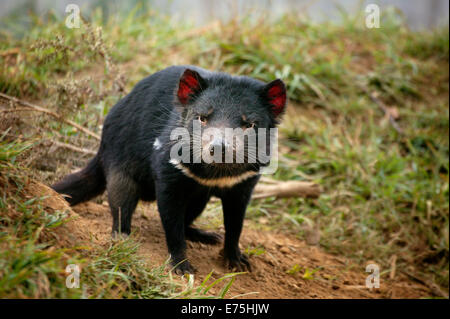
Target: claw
241	263
183	267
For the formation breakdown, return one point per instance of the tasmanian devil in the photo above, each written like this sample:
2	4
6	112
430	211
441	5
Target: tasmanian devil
139	158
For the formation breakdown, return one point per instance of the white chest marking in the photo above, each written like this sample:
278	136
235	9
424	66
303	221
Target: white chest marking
221	182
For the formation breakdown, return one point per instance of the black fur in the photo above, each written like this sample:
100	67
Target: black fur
132	169
83	185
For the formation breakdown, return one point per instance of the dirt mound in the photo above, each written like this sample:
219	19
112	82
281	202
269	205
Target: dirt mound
320	275
76	229
283	266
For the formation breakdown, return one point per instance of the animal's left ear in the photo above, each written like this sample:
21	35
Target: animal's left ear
275	94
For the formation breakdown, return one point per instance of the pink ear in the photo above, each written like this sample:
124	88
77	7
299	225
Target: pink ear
190	84
276	96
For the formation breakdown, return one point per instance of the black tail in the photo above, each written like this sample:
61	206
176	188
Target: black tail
83	185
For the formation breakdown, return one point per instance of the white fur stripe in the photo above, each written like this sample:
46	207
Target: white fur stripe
222	182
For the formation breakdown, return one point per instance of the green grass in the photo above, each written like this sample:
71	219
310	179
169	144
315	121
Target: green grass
33	264
385	193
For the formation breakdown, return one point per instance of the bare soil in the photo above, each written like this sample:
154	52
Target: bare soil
333	276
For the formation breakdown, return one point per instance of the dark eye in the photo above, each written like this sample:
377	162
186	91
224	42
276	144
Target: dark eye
202	118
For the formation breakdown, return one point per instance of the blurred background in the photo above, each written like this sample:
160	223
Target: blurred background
419	14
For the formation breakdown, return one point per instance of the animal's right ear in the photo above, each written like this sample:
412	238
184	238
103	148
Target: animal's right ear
274	93
190	85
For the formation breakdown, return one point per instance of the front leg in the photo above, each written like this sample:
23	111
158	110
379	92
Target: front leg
172	209
234	204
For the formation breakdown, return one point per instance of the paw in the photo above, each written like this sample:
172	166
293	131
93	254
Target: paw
238	263
202	236
183	267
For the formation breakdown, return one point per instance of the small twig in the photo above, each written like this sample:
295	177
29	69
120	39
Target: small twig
268	187
18	109
431	285
51	113
281	189
393	267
